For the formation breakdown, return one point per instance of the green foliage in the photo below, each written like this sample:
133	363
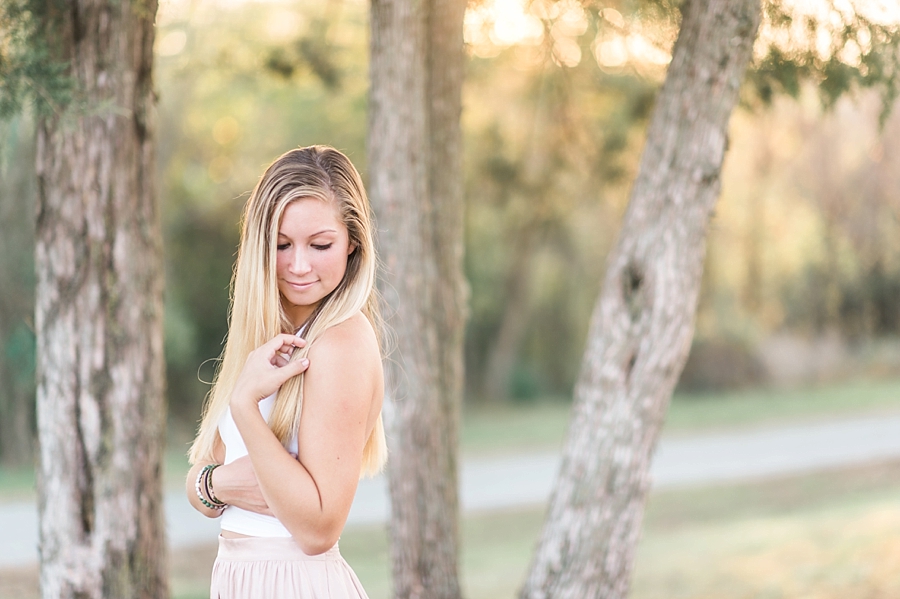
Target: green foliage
312	51
29	73
862	52
308	51
19	349
551	147
860	303
17	283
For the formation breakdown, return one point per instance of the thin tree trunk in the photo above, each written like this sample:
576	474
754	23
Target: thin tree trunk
643	323
514	323
98	314
415	181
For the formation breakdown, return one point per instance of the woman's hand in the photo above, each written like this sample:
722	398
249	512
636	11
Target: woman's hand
236	485
267	368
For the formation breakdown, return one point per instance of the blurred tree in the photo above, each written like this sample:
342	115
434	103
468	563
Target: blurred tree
98	314
415	180
542	189
17	191
843	175
643	320
535	190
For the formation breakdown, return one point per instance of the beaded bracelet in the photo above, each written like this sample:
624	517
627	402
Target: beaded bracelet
209	487
203	483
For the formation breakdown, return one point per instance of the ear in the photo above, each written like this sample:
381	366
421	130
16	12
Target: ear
351	248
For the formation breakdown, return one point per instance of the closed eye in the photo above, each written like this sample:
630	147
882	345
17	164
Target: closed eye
283	246
321	248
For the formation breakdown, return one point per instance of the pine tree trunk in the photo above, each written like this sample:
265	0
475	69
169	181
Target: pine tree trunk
643	322
415	181
101	412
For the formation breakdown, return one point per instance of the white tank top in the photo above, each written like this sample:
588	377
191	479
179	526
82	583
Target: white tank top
234	518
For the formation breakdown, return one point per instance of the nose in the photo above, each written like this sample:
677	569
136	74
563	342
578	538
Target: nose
300	263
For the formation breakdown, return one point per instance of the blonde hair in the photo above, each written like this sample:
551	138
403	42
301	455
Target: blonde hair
257	315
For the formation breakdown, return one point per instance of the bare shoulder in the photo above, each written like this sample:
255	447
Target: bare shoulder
344	382
348	347
353	338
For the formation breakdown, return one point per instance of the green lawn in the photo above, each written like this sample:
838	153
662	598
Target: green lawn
542	425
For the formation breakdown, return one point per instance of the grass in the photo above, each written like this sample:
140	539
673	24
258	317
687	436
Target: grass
18	484
690	413
542	425
828	535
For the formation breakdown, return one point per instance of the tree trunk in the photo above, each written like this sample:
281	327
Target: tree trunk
415	180
643	322
98	313
514	323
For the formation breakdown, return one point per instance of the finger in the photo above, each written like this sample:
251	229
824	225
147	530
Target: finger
282	340
293	340
290	370
288	349
297	366
280	344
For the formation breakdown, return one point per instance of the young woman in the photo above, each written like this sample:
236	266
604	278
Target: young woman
294	415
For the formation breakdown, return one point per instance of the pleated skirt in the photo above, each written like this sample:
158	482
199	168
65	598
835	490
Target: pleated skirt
276	568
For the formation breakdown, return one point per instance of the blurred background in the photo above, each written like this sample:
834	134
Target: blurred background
799	316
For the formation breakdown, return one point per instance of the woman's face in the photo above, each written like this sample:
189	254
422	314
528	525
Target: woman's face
313	246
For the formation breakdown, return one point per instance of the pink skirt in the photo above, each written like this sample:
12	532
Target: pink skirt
276	568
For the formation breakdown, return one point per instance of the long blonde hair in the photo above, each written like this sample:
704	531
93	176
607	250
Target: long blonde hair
257	315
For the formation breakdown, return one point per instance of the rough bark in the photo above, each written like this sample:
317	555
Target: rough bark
98	313
643	322
415	182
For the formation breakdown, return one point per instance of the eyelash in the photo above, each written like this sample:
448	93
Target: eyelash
320	248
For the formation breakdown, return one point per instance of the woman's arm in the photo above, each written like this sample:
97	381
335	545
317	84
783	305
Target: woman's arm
236	484
311	495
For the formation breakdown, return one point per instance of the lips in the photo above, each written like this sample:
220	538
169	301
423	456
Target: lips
300	286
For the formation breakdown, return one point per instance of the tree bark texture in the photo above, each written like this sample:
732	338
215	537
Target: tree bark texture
415	181
101	412
643	322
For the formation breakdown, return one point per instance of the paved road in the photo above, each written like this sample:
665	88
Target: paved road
495	483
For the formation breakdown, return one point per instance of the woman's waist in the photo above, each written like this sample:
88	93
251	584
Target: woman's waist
237	521
279	549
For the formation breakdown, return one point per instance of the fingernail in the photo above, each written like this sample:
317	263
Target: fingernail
304	361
